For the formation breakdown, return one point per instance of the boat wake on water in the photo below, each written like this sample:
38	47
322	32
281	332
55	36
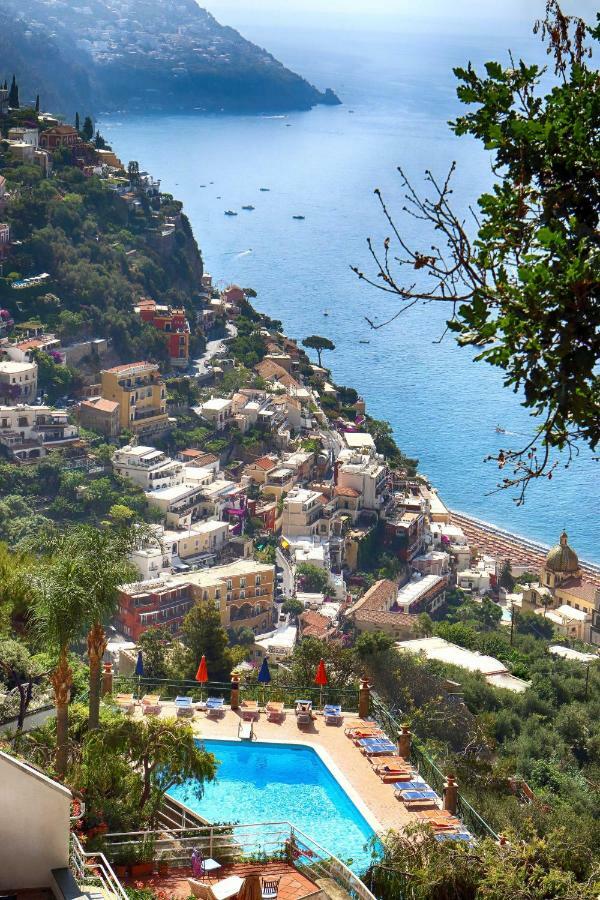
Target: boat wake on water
238	253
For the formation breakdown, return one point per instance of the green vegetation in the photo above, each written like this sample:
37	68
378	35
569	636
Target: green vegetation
315	342
521	279
313	579
102	254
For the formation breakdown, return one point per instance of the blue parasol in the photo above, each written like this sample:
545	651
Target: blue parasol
264	676
139	669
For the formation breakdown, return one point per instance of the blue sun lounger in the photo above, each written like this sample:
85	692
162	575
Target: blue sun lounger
418	795
184	706
214	706
332	714
415	785
453	836
377	747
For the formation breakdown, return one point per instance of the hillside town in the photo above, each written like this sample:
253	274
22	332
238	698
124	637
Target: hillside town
263	518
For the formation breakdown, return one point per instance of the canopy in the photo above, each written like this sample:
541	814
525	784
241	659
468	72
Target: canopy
202	673
264	676
139	666
321	676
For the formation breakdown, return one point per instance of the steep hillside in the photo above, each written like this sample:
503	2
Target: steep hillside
142	54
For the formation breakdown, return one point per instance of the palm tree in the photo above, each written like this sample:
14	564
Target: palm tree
102	566
59	603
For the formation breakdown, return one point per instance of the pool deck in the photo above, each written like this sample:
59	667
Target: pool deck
373	798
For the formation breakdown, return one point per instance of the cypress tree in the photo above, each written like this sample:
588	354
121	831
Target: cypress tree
13	96
77	121
88	129
37	103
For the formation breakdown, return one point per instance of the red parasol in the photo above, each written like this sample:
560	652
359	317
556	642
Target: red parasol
202	673
321	676
321	679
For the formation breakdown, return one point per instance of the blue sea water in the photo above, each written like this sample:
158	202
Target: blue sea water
264	782
395	78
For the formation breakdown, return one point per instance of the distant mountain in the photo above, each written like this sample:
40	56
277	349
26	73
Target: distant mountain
142	55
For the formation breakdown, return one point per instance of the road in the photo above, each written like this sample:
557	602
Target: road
288	573
200	365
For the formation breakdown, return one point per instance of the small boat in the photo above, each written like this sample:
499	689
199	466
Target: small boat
325	312
300	218
265	189
249	207
500	430
364	342
230	212
202	185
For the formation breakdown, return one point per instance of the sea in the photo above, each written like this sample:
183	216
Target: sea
393	71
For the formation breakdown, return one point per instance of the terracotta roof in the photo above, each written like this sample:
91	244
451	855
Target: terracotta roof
108	406
205	459
125	366
314	624
378	598
346	492
265	462
192	454
396	619
584	590
272	370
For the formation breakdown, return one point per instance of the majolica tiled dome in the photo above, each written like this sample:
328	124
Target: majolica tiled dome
562	558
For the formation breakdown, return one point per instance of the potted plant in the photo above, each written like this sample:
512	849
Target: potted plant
143	863
122	860
163	863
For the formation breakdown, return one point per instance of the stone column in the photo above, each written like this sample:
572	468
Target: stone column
364	698
235	691
404	742
450	794
107	680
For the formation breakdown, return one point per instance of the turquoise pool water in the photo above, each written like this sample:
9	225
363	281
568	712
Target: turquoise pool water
265	782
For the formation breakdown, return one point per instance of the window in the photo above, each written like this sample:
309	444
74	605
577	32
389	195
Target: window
242	595
229	584
242	582
257	580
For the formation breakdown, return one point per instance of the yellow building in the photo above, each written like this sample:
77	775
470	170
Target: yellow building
562	585
140	391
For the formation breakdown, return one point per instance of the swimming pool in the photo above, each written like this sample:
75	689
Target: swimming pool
269	782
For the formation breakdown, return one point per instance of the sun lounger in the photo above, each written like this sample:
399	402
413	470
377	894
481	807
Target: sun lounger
416	784
125	702
358	733
375	747
222	890
358	723
152	699
426	794
453	836
303	712
390	762
215	706
184	707
332	714
249	709
275	711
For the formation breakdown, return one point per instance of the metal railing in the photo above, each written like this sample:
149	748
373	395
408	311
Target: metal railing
94	869
254	843
287	694
432	774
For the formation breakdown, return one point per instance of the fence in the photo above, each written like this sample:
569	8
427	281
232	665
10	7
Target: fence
432	774
283	693
231	843
94	869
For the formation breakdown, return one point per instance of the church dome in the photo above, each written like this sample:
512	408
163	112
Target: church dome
561	558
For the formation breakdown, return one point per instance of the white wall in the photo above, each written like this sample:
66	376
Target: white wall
34	826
